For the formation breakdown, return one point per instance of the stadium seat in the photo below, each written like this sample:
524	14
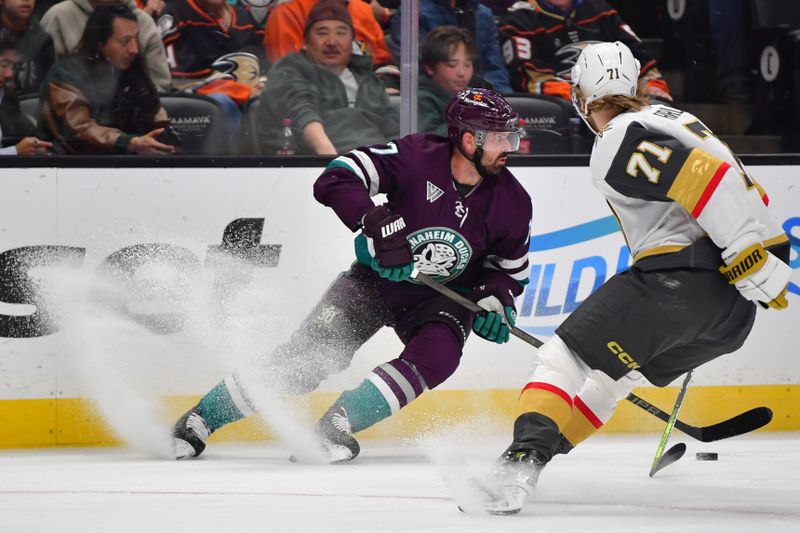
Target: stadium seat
29	106
547	122
394	101
249	134
199	121
771	14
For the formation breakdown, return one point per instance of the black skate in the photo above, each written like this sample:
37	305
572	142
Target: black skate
337	440
191	433
514	477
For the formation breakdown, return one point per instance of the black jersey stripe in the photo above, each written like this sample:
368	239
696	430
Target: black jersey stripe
628	172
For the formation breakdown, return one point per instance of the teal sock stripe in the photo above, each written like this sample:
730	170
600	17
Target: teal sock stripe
365	406
218	408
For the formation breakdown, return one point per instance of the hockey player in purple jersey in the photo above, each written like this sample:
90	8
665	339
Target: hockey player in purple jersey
456	213
707	253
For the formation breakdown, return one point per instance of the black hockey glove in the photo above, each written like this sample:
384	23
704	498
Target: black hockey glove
501	314
392	258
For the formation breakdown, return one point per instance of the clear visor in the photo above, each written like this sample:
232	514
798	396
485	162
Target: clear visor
498	141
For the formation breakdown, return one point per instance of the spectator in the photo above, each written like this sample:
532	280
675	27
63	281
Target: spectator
448	56
102	100
469	14
12	123
498	7
334	100
536	39
383	13
152	7
286	22
197	33
33	44
732	41
66	20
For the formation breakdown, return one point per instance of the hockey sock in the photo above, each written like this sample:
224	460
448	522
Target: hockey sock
583	423
543	409
389	388
595	404
218	407
365	406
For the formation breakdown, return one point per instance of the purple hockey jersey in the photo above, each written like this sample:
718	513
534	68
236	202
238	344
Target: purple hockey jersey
482	237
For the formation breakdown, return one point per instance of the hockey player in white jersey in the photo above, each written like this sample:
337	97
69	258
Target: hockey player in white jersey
706	252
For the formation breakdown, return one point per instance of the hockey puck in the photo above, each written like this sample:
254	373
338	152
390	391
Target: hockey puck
706	456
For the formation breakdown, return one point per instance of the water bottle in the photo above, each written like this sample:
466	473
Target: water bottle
524	141
576	135
286	142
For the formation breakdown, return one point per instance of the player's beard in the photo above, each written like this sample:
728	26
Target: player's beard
492	168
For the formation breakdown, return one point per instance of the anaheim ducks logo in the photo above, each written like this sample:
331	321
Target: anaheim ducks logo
440	252
238	66
567	56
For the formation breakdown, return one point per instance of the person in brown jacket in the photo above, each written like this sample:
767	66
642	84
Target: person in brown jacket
102	100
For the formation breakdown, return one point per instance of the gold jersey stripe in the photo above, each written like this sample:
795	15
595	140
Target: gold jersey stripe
658	250
693	178
774	241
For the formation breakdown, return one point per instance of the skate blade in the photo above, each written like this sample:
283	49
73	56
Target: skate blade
511	502
183	450
496	512
495	499
334	455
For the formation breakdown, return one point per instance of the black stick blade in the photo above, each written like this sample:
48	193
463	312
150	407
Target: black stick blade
738	425
669	457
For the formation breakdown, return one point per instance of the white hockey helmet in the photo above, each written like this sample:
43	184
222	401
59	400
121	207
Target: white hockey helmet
603	69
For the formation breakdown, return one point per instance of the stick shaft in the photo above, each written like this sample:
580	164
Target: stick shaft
470	305
670	423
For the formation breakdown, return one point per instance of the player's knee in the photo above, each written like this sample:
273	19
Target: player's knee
559	366
435	352
604	392
300	367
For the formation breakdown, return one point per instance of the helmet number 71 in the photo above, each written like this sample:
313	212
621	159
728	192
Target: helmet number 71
638	162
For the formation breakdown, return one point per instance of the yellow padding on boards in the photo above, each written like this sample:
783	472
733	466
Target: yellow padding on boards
73	421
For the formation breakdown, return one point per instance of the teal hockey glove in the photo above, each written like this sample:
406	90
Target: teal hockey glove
501	315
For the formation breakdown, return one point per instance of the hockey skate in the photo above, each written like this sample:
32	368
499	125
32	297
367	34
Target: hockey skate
191	433
512	482
338	443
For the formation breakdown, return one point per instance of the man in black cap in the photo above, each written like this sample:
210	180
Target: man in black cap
334	100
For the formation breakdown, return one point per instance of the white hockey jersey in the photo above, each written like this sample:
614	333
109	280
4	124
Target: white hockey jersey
671	182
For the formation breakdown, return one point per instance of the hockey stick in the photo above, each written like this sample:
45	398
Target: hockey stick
738	425
470	305
661	459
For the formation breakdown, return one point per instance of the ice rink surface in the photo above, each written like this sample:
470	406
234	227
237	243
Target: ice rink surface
601	486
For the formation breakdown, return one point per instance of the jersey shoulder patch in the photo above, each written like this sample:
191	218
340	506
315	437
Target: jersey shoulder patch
166	25
521	6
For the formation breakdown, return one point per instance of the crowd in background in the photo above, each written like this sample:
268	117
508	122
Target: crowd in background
295	76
